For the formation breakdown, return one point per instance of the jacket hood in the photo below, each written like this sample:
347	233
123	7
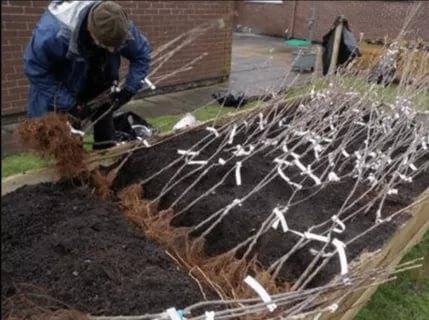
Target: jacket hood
70	15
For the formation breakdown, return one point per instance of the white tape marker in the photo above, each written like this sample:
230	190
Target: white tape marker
209	315
187	152
412	166
312	236
238	173
280	219
392	191
221	161
262	293
173	314
333	307
283	162
342	226
307	171
146	144
333	177
424	144
232	134
285	178
149	83
339	245
342	255
75	131
214	131
241	151
261	121
197	162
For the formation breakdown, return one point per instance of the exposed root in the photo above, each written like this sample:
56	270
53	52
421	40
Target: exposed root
50	136
102	184
36	304
54	315
224	273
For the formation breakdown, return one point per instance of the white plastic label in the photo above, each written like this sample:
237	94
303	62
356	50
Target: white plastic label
214	131
238	173
342	255
75	131
197	162
342	226
333	177
173	314
232	135
262	293
339	245
187	152
280	219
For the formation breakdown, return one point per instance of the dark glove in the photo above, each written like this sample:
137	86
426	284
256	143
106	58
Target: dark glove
80	111
120	98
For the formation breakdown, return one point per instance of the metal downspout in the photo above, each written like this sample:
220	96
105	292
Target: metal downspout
292	28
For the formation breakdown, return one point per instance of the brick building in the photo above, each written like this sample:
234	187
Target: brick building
160	21
375	19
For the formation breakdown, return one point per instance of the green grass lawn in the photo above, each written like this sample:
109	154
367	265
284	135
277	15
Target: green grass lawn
166	123
406	298
27	161
21	163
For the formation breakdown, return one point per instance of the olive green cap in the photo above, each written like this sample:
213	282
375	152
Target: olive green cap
108	23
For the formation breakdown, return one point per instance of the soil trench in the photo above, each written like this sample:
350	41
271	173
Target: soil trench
244	221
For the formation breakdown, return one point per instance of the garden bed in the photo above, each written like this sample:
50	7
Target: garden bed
51	231
244	221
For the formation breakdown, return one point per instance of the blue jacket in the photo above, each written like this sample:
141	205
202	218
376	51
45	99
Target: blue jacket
57	69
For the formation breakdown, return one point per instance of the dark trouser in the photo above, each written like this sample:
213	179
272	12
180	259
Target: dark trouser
104	130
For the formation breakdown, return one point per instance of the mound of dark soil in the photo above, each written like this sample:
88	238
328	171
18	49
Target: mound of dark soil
79	250
245	220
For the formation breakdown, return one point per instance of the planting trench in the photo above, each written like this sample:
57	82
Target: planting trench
244	220
60	240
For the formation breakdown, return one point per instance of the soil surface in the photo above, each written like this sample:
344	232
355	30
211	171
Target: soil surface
61	241
244	220
81	251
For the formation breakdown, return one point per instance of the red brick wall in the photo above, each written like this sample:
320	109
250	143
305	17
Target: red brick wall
269	19
374	18
160	21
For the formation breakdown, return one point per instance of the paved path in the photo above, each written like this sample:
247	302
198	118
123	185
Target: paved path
259	64
262	64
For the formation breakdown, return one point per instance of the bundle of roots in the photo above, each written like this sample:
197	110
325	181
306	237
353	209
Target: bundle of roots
50	136
224	273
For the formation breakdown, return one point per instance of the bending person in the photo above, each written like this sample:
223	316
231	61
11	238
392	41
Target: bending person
75	54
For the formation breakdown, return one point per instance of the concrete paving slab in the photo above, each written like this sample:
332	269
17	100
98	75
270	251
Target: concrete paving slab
262	64
174	103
